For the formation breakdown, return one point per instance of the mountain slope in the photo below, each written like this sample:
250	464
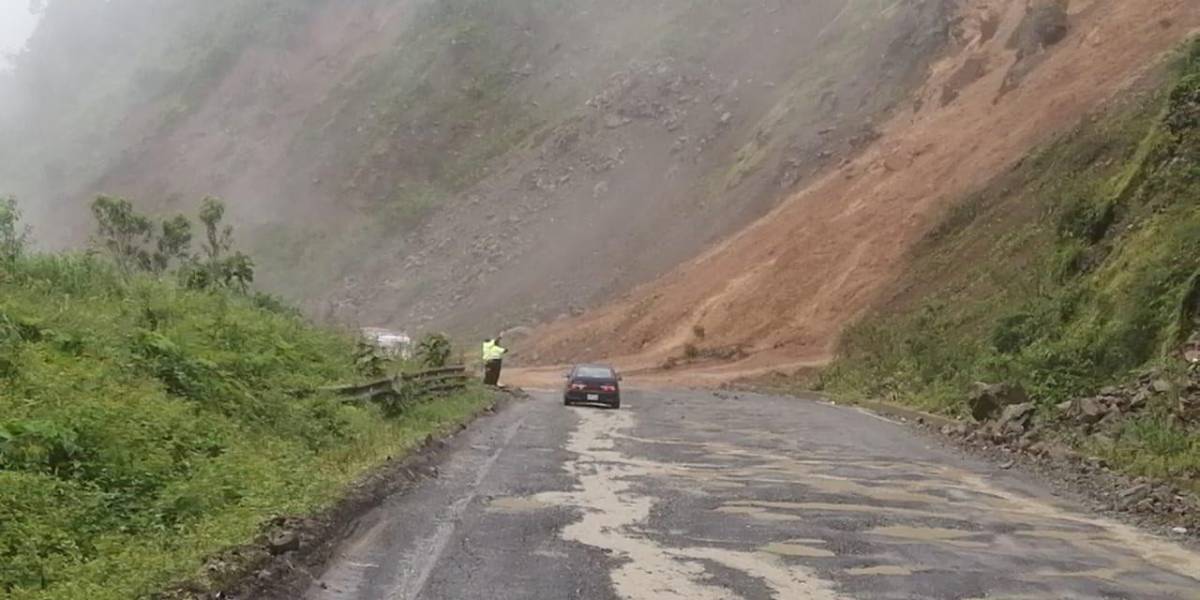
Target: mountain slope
782	289
1064	276
413	163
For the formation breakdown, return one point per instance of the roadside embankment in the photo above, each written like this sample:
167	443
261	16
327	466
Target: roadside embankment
145	428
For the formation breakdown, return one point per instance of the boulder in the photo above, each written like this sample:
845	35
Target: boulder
955	430
988	400
1028	441
1161	386
1090	410
282	542
1111	419
1017	414
1138	401
1049	21
1010	430
1189	410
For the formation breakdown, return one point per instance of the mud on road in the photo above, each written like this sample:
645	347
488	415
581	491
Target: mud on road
687	495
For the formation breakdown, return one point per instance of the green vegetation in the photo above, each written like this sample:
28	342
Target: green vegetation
434	351
1069	273
146	424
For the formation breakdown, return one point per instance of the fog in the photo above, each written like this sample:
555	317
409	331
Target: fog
16	25
357	142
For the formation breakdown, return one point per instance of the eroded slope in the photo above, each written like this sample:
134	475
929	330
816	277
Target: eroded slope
779	292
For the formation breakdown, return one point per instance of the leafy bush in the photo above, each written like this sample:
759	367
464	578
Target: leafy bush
434	350
13	237
145	426
134	243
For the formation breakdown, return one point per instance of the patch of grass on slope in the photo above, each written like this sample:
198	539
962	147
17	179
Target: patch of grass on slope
1065	275
144	427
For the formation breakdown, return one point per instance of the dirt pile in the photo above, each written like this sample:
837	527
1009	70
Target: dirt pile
784	287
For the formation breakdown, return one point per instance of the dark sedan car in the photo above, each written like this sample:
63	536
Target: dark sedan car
593	384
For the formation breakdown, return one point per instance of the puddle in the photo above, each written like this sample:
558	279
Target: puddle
516	504
857	508
755	512
1105	574
1061	535
797	550
884	570
924	534
939	535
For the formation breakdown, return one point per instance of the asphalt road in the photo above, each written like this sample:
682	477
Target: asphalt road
684	495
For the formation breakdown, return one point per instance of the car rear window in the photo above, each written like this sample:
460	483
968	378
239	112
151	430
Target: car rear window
594	372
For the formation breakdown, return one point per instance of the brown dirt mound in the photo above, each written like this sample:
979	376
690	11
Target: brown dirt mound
784	287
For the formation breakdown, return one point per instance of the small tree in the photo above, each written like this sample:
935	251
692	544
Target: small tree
174	243
13	237
218	238
369	361
237	272
216	266
434	350
123	233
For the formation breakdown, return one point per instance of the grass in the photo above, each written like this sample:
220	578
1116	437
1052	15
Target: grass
1065	275
144	427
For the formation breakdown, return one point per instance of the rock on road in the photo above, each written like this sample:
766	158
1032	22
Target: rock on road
685	495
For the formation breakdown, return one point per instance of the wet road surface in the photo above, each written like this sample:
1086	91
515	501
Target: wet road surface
685	495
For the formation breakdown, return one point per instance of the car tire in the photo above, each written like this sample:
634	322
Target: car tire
566	402
615	405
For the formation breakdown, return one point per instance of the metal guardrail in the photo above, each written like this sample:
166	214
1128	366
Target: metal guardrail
418	385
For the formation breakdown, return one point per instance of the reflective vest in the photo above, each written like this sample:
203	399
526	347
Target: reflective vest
493	351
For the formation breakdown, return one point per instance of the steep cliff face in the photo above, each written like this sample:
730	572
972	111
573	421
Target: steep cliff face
457	163
779	292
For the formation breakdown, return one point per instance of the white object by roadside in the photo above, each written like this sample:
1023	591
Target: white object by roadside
392	342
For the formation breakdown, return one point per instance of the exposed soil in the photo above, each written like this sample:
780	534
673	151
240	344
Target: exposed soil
783	288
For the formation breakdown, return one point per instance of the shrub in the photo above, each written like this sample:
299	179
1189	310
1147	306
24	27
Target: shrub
434	350
13	236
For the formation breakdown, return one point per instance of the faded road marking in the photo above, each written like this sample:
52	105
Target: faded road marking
612	511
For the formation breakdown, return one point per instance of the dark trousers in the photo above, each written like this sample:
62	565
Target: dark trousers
491	372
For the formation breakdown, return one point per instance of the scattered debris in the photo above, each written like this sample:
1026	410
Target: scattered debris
1013	430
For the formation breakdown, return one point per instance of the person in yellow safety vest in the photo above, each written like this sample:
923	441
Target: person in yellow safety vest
493	360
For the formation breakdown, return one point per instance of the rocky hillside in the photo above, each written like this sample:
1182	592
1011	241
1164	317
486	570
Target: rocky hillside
778	294
456	163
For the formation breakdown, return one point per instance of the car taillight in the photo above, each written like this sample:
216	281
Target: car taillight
578	387
608	388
